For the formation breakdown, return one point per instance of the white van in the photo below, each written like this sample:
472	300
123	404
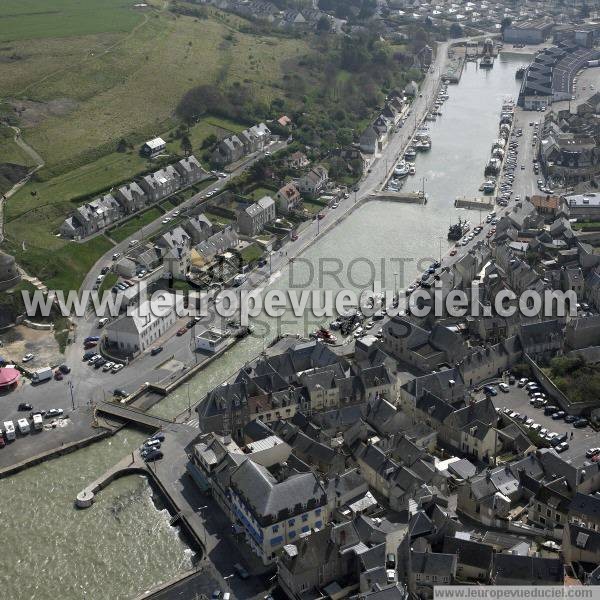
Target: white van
9	430
23	425
37	422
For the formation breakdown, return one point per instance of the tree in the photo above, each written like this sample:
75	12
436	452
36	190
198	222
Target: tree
506	22
324	24
186	144
344	136
209	141
122	145
455	30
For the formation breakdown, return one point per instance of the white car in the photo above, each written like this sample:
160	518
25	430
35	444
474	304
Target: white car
504	387
117	367
28	357
133	243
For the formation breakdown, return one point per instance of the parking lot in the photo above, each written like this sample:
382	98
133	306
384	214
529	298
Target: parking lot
518	400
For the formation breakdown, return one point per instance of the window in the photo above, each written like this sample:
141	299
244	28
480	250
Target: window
292	534
319	524
291	521
305	518
275	528
305	529
276	540
317	511
548	512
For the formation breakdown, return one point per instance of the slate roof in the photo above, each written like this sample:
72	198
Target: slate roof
586	504
471	553
433	563
268	497
528	569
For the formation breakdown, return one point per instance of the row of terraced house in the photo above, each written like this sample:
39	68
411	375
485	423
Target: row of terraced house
106	210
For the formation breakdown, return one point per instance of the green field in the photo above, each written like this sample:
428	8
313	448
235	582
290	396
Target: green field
80	75
130	227
61	268
260	192
27	19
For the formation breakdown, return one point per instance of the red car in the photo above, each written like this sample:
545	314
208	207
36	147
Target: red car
2	442
294	237
90	344
58	375
181	331
320	216
452	252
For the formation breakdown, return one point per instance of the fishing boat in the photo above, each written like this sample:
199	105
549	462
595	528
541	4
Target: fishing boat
401	170
487	62
456	231
410	154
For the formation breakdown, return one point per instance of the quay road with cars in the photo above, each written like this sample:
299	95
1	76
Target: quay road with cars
89	384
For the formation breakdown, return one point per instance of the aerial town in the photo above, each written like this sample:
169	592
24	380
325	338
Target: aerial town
167	169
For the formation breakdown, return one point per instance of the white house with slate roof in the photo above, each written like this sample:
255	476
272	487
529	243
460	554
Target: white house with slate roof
153	147
275	511
252	219
137	331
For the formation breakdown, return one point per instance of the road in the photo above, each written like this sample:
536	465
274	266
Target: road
93	385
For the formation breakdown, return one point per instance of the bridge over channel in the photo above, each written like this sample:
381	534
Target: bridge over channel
132	415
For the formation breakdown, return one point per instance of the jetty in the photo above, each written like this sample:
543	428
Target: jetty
478	203
405	197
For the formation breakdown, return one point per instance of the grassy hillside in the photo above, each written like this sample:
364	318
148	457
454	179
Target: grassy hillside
81	75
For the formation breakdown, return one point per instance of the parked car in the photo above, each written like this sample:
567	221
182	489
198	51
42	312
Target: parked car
65	369
117	367
159	435
181	331
25	406
156	350
550	410
504	387
522	381
592	452
54	412
570	418
29	356
580	423
58	375
120	393
153	455
562	447
558	415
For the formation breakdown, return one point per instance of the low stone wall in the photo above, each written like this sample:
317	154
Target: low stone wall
578	408
39	326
